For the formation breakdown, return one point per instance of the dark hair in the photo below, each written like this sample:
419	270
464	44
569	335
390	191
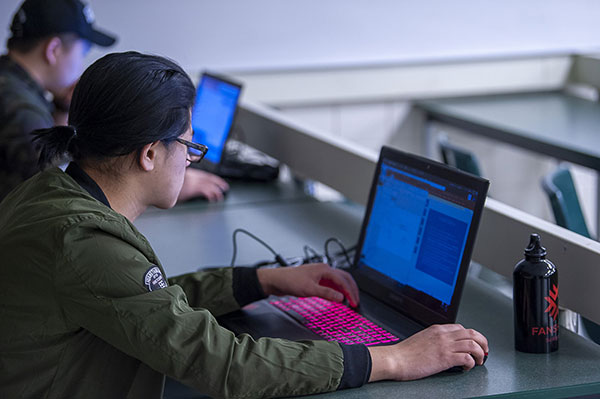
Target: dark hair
25	45
122	102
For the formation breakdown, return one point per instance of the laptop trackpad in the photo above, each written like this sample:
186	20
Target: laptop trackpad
260	319
388	318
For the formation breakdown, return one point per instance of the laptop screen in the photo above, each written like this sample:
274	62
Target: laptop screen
213	113
415	238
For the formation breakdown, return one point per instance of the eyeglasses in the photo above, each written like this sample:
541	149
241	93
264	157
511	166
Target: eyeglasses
195	151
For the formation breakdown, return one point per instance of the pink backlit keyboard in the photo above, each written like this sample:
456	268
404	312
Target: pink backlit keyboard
334	321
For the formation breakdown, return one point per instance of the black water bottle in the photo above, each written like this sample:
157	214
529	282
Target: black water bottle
535	298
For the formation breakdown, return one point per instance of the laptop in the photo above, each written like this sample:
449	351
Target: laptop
410	265
213	113
213	116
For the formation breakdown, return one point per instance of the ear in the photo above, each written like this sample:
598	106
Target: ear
51	49
148	156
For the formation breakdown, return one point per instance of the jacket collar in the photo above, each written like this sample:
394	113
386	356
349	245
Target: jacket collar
87	183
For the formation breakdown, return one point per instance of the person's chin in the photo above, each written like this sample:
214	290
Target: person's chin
167	204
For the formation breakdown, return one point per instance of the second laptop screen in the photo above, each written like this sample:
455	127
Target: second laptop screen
213	113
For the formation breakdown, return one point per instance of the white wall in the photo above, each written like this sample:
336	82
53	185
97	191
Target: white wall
229	34
280	35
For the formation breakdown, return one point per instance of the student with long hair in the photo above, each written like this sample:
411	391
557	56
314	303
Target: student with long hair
86	308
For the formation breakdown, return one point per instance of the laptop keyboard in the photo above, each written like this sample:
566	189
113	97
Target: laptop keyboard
334	321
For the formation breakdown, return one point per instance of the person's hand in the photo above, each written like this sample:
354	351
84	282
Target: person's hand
198	183
428	352
317	279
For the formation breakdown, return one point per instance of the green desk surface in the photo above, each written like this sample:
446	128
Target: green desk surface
191	236
551	123
199	234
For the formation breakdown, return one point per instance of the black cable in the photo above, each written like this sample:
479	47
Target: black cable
309	257
350	249
264	263
338	242
278	257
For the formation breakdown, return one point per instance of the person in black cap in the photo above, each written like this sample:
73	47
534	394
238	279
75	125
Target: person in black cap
45	58
46	51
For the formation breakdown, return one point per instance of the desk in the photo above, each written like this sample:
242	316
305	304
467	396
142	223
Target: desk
198	234
550	123
290	222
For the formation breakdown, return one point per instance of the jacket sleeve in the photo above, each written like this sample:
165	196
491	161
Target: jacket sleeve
211	290
100	285
220	290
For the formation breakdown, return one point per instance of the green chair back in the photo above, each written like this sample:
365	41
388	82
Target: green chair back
561	192
458	157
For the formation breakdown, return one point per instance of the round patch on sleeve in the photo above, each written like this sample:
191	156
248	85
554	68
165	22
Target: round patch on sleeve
154	280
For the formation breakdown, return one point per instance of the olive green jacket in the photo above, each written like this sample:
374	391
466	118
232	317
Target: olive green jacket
83	314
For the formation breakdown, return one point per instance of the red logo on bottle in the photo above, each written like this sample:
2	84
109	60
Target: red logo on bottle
552	301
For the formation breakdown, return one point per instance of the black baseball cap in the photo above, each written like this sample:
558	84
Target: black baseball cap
41	18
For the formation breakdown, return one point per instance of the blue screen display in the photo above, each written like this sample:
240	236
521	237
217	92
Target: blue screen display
417	231
213	112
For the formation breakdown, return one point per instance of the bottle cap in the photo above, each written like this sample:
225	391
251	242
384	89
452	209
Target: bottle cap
535	249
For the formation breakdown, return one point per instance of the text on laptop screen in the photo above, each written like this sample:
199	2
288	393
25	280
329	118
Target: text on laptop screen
417	232
213	113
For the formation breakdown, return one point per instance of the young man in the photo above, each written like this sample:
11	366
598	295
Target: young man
45	58
86	307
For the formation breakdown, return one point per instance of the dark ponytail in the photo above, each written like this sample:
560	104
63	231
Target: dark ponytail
54	143
122	102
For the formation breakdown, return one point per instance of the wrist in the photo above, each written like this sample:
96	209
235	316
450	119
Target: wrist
384	365
265	279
